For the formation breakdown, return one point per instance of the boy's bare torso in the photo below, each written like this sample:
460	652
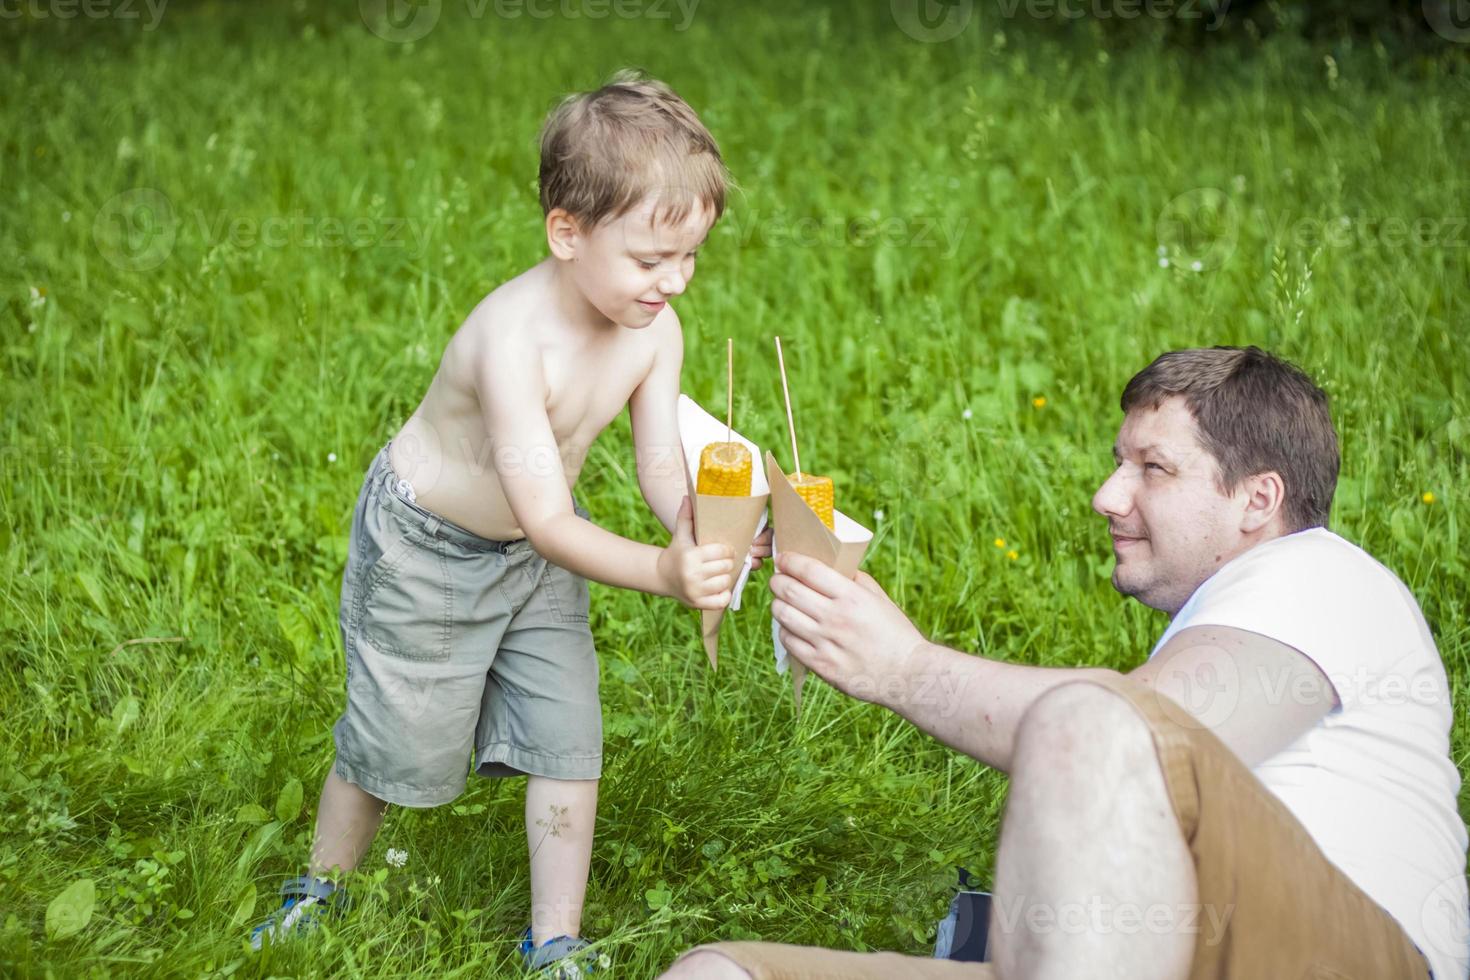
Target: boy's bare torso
445	449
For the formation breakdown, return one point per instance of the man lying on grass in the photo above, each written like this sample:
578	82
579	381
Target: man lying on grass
1268	795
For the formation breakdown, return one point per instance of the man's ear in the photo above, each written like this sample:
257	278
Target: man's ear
563	234
1265	500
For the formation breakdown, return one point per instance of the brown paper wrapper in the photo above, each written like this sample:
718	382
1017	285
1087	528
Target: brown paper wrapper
800	531
729	521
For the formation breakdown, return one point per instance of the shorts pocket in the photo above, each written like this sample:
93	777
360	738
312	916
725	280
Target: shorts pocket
406	604
566	593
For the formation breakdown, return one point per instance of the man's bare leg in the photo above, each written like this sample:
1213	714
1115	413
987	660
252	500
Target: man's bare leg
705	965
347	820
1093	877
561	815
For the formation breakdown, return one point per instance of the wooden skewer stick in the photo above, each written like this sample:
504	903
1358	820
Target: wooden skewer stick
729	387
790	422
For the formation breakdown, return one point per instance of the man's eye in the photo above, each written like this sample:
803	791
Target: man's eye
1153	466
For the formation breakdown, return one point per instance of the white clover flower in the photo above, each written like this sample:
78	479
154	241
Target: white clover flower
65	217
395	857
1197	266
38	297
1163	263
1163	250
878	514
604	961
331	457
966	414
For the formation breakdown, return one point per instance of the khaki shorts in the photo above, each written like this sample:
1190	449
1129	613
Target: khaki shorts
455	645
1294	915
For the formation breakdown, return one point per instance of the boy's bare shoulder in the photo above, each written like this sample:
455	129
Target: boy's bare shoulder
498	331
512	336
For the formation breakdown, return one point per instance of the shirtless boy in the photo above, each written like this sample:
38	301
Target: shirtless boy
464	600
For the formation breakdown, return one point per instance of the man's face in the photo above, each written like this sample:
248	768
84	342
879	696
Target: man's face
1171	526
629	267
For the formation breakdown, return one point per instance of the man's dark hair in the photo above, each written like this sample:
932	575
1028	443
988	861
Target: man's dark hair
1255	413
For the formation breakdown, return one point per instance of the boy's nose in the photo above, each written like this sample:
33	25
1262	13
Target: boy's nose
672	284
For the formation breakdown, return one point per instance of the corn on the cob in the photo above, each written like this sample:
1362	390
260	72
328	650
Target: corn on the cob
818	494
724	470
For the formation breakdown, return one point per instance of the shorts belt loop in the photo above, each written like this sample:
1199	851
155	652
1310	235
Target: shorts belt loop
432	523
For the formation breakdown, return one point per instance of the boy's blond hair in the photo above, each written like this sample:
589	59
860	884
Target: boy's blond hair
604	152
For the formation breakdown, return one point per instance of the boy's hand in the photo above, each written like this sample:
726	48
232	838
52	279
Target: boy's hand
697	575
760	548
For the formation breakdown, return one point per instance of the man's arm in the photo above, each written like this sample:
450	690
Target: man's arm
1256	694
654	412
853	636
512	393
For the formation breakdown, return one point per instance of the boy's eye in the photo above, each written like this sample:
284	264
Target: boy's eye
648	265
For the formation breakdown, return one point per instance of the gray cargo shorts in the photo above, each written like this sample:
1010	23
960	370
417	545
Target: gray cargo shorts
458	645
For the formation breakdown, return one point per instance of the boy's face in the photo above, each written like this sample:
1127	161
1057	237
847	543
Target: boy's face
630	266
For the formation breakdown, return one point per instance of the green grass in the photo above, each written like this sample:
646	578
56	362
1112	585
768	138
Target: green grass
182	444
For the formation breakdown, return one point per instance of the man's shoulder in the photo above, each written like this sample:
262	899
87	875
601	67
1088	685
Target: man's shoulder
1317	554
1309	577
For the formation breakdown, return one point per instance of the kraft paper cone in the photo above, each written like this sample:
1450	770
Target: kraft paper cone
800	531
731	521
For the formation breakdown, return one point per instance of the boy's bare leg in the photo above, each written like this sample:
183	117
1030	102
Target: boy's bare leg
1089	845
347	820
560	818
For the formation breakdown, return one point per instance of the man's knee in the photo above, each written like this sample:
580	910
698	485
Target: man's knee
705	965
1083	718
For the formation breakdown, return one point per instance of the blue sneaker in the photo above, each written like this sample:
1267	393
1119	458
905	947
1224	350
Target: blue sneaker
306	902
561	956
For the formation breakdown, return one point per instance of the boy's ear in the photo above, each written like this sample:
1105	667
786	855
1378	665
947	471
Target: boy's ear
563	234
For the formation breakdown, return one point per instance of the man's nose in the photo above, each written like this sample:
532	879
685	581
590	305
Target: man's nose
1112	498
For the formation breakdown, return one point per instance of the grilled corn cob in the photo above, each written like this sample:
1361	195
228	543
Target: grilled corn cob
724	470
817	492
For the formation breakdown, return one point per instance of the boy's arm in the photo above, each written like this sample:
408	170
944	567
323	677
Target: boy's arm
512	393
654	410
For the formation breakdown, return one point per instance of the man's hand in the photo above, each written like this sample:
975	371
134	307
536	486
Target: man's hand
699	576
848	632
